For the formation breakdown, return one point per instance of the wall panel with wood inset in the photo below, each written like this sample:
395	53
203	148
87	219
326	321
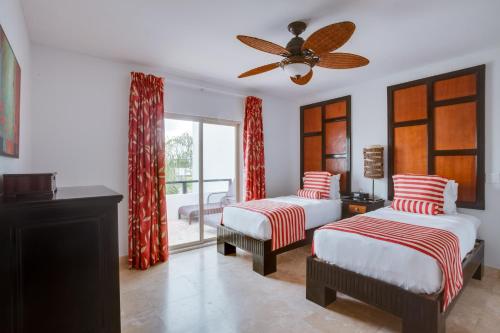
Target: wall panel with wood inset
337	166
325	139
436	126
335	137
312	120
463	170
313	153
460	86
455	126
410	104
410	149
336	110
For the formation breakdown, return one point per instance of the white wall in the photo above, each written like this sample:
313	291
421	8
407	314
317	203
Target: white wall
81	122
14	26
369	126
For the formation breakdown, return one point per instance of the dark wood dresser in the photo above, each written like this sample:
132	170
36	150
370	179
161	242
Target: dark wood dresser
59	262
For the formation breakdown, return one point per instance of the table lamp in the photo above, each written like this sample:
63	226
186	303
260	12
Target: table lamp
374	164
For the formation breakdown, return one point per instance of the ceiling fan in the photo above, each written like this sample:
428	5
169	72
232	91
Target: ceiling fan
300	55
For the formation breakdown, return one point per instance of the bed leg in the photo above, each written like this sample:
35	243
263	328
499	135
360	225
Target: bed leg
319	293
424	317
264	264
225	248
479	273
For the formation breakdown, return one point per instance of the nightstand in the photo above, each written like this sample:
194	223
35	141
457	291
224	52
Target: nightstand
351	207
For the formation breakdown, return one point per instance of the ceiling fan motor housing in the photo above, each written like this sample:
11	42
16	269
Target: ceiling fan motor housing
294	46
297	27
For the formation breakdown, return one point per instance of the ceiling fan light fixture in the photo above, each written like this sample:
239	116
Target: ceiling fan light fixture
300	56
297	69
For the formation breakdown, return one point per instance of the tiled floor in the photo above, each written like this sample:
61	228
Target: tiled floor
180	231
202	291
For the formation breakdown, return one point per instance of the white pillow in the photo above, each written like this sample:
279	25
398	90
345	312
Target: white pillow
450	197
335	187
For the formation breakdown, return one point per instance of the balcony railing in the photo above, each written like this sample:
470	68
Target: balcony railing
186	182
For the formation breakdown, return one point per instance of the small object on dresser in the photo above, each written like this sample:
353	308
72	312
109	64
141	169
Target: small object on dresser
352	206
29	185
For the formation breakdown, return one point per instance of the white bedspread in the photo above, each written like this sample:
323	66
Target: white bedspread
256	225
394	263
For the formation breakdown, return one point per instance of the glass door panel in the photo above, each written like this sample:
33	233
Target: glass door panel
219	174
182	144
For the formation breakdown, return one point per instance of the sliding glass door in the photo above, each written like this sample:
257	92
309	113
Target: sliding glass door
183	186
202	177
219	173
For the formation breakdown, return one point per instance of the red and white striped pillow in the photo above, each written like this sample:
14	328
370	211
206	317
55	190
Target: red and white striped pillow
429	189
318	181
415	206
309	194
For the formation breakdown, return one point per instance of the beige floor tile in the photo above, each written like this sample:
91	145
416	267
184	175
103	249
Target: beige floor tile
202	291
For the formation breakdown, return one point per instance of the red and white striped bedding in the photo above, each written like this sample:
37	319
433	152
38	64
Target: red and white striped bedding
256	225
428	189
288	222
442	245
415	206
318	181
309	194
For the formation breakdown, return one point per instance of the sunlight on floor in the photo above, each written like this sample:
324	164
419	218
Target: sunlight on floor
180	232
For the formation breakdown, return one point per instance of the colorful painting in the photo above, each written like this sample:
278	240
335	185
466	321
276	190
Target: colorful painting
10	98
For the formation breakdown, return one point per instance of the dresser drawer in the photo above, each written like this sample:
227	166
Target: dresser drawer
357	209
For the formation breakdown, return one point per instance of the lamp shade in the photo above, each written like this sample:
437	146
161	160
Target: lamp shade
374	162
297	69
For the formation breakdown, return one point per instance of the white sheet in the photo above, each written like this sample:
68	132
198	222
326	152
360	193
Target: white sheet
394	263
256	225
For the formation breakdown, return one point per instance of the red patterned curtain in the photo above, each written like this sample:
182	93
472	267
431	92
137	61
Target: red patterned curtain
253	150
147	208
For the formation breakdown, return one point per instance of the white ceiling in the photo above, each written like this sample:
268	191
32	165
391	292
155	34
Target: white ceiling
196	39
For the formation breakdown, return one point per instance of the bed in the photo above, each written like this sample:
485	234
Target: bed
390	276
426	122
251	231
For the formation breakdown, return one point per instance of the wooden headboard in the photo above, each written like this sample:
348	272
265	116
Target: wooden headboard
436	126
325	139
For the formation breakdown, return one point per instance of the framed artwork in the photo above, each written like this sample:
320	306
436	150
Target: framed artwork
10	99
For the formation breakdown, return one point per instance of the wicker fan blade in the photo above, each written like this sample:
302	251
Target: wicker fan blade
259	70
339	60
329	38
263	45
301	80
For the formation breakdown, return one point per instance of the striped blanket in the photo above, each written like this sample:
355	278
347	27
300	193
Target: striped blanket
442	245
288	221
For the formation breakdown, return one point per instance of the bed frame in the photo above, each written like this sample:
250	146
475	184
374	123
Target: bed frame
264	259
420	313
